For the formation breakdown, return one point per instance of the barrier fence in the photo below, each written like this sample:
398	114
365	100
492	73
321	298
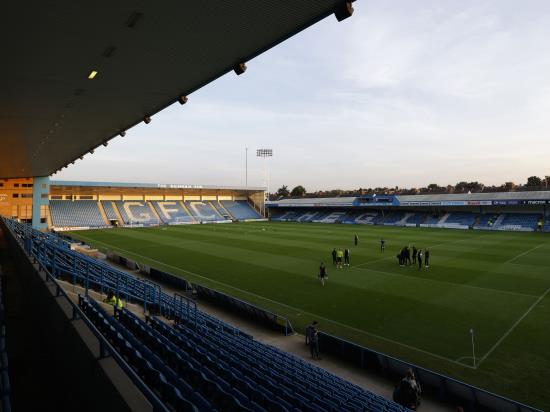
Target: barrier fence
446	388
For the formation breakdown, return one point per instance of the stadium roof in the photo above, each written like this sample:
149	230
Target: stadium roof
74	183
543	195
450	197
146	54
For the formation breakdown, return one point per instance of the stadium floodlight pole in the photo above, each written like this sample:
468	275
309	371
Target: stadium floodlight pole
473	347
265	153
246	171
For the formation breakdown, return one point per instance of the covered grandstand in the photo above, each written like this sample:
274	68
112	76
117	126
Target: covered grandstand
89	205
517	211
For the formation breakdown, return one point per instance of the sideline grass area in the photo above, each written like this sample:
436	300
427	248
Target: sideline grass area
497	283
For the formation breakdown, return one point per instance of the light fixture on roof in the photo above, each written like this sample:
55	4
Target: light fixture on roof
81	157
92	74
91	151
122	134
105	143
147	119
182	99
239	68
343	11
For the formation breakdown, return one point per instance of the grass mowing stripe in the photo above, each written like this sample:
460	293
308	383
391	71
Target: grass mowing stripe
285	305
513	327
430	247
524	253
461	285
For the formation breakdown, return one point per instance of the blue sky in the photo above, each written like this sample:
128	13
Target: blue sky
404	93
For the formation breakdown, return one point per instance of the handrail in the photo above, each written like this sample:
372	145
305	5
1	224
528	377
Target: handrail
106	348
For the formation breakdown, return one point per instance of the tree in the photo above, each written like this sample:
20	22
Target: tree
282	192
298	191
534	181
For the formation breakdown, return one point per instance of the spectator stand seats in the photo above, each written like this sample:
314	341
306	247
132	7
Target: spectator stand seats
78	213
240	209
221	210
137	213
203	212
109	210
172	212
519	222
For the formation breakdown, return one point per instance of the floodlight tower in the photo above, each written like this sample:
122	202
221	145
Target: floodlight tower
265	153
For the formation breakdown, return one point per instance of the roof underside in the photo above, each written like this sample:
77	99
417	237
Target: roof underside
146	53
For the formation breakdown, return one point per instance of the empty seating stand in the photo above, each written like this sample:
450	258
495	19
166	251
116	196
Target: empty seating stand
136	212
79	213
172	212
240	209
208	368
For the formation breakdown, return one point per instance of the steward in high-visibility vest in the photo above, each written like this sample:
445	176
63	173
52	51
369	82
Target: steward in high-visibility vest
111	299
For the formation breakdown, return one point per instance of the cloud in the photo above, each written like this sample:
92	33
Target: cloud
403	93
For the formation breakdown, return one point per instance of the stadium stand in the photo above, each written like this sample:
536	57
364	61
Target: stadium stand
240	209
486	220
461	219
226	214
109	210
136	212
392	218
80	213
416	218
519	221
172	212
202	211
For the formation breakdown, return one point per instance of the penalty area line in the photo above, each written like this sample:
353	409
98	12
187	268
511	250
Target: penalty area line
298	310
497	344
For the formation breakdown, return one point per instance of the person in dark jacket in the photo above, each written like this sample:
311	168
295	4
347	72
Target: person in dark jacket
427	258
419	258
346	257
314	340
407	392
415	252
334	256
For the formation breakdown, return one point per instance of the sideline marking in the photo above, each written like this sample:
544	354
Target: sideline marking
541	297
288	306
524	253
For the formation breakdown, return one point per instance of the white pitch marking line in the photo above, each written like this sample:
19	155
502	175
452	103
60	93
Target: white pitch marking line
513	327
524	253
288	306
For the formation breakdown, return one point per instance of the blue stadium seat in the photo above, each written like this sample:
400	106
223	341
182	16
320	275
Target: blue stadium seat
136	212
172	212
240	209
80	213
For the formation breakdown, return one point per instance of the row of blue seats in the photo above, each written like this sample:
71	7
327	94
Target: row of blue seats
465	219
82	213
296	381
163	381
262	373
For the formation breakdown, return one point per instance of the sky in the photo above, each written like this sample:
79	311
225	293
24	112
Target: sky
404	93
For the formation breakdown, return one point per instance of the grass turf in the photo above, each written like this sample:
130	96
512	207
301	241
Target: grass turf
497	283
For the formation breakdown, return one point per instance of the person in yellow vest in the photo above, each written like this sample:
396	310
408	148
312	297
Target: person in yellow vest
111	299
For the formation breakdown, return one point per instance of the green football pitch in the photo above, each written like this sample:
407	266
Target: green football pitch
496	283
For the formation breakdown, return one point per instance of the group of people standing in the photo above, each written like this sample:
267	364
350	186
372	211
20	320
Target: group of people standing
340	258
419	257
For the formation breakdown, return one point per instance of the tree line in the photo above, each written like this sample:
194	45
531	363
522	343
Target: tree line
533	183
